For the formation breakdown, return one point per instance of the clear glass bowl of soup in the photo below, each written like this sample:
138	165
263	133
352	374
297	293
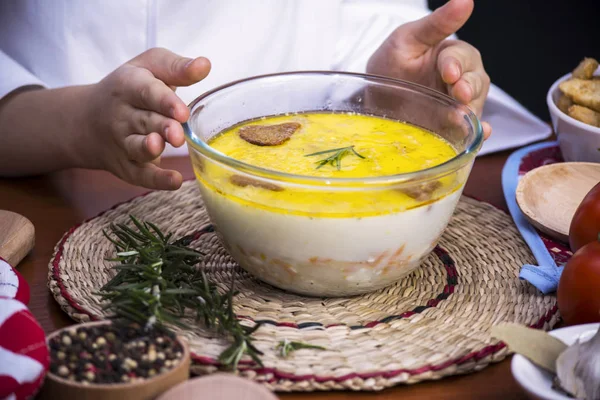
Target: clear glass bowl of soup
326	183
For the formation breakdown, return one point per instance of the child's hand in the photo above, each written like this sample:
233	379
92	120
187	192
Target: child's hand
417	52
134	111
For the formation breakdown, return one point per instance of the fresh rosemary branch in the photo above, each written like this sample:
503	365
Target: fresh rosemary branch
285	347
335	159
157	281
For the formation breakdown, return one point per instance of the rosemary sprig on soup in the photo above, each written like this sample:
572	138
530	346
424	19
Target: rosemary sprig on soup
335	160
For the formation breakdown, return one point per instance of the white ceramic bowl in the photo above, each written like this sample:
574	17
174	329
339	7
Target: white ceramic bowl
538	382
578	141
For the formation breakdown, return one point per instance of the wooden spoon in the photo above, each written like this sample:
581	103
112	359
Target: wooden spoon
218	386
548	196
17	237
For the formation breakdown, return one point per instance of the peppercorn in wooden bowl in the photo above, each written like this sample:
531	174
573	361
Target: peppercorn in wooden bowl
114	360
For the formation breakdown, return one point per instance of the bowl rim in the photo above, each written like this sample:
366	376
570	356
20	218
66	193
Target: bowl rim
558	112
185	357
442	169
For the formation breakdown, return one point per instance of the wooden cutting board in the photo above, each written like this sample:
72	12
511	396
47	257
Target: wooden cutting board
17	237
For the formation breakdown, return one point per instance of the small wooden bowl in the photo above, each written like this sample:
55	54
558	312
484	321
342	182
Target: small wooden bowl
56	387
549	195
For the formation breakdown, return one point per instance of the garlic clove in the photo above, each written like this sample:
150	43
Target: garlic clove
565	371
578	369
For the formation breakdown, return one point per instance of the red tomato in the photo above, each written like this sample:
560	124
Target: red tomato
579	286
585	224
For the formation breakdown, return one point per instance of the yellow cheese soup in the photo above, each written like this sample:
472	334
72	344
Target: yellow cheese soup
328	145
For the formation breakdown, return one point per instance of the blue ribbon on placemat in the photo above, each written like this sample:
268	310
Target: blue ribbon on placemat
546	275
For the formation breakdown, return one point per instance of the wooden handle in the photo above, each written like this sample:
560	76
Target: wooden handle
17	237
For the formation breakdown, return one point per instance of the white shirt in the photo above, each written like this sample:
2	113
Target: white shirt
70	42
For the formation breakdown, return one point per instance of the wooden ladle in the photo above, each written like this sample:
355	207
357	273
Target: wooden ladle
548	196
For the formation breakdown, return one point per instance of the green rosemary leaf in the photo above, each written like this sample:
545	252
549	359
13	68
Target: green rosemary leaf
285	347
128	240
205	283
180	291
318	153
194	250
185	253
131	311
118	244
184	241
170	318
322	163
144	230
227	356
117	259
157	231
129	286
254	349
335	160
178	306
135	235
250	330
256	359
150	275
232	356
182	268
354	151
132	267
128	253
116	280
130	316
123	302
147	255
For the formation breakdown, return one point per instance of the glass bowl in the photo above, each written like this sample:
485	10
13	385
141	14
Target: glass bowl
323	245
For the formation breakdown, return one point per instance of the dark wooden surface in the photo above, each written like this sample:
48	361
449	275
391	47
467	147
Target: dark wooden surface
56	202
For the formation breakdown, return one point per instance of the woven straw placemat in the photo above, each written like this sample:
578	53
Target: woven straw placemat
434	323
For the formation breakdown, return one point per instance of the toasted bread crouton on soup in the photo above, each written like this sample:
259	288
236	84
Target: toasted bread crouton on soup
243	181
268	135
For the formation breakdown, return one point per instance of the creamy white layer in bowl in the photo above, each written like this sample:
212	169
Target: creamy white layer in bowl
328	256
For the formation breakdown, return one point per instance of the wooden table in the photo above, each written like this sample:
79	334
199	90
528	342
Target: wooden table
56	202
